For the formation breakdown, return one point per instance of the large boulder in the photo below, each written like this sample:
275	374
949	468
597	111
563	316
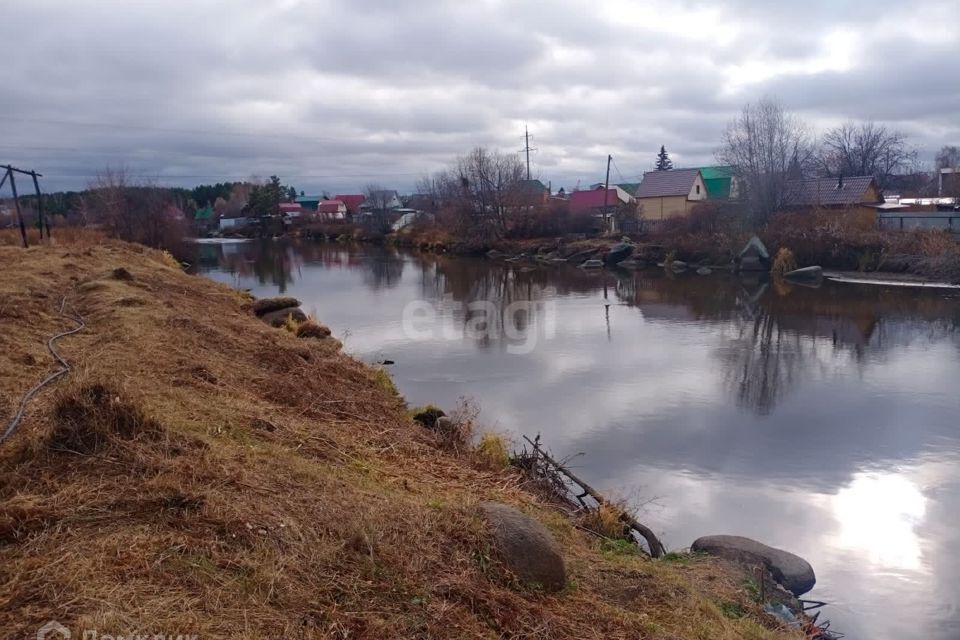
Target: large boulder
618	253
279	317
264	306
806	274
790	570
526	547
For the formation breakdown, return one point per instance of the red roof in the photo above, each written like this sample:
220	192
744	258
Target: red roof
586	201
330	206
353	202
290	207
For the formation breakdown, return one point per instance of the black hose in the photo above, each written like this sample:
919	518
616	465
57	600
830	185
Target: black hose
64	370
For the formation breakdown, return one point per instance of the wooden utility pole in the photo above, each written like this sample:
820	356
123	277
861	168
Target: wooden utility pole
606	193
9	174
16	205
40	219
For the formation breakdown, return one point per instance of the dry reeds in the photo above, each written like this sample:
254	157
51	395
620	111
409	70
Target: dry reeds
783	263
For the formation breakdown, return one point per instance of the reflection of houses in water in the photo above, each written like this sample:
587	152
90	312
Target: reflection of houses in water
774	333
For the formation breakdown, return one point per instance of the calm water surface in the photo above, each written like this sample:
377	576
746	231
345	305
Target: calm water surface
825	421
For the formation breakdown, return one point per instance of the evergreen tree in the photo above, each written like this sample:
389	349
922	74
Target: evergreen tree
663	160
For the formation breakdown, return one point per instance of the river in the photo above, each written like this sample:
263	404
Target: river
823	421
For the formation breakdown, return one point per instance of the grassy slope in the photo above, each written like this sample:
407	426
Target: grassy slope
259	485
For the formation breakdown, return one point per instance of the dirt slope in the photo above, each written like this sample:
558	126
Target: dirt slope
201	473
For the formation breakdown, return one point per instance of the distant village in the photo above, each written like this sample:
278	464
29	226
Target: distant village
627	207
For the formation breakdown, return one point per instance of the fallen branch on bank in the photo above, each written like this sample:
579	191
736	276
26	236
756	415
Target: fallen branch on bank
562	483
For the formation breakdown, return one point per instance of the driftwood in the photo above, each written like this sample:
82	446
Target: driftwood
557	478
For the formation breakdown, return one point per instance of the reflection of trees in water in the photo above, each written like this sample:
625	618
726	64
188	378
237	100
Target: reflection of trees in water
269	261
763	361
796	331
774	334
384	271
515	295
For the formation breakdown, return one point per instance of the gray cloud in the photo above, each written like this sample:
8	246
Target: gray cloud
335	94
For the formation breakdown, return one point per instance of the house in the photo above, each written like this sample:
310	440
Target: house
857	193
204	220
332	210
532	193
409	216
309	203
386	199
665	194
352	202
422	202
236	221
721	182
593	201
291	209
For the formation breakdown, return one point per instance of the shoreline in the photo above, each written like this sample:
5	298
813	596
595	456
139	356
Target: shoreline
651	253
222	464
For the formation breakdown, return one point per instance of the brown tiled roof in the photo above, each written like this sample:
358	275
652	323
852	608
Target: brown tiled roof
658	184
827	191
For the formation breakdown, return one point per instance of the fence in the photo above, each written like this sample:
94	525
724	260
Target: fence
926	220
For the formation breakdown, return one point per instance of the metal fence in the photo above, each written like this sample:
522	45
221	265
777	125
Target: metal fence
926	220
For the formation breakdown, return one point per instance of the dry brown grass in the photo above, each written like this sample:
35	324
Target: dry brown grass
493	451
784	262
312	329
200	472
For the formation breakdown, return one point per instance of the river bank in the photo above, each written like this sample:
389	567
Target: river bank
201	472
815	239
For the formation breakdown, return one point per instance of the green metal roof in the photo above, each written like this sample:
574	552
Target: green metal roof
630	187
717	180
534	186
712	173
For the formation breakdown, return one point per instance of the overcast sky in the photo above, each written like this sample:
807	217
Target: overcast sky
334	94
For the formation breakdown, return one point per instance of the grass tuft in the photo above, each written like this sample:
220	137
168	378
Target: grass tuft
784	262
310	328
94	416
493	451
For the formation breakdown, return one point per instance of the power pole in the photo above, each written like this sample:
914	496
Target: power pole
527	149
16	205
606	193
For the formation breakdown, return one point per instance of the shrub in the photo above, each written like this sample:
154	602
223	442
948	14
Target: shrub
493	451
384	381
784	262
606	520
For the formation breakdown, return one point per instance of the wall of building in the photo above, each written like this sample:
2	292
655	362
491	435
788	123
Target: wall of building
663	208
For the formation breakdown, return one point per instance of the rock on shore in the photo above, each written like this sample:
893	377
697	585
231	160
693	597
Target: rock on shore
790	570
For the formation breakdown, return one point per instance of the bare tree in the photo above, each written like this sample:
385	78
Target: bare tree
866	149
378	201
769	147
136	212
948	157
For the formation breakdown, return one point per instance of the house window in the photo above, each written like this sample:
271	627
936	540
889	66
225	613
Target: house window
698	189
